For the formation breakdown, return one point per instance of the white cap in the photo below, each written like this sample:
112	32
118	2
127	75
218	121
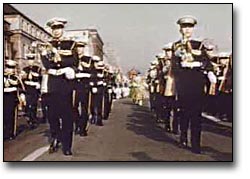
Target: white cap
160	56
187	19
56	21
154	62
96	58
11	63
224	55
167	46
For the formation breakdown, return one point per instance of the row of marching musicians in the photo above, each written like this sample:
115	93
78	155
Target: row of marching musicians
75	88
189	81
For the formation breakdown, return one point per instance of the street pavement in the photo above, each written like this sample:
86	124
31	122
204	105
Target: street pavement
130	134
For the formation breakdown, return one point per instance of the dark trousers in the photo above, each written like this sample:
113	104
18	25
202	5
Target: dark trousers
60	118
10	103
167	105
190	112
96	106
107	103
152	101
225	105
158	105
211	104
81	106
31	106
44	104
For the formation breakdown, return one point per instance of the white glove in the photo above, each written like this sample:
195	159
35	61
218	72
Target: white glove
196	64
38	86
184	64
221	78
70	73
212	78
54	50
94	90
164	69
191	64
22	97
44	52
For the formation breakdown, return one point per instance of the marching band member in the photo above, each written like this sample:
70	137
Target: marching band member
168	93
211	83
58	59
188	65
96	85
225	86
82	88
159	86
152	74
108	96
32	81
12	87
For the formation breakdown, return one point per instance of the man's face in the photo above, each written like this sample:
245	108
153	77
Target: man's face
57	32
30	62
210	53
187	30
224	61
9	70
168	54
80	50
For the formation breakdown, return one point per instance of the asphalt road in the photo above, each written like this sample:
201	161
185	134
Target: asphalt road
130	134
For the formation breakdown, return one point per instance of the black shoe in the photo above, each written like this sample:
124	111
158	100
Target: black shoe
67	152
77	131
167	128
32	124
83	134
92	121
175	132
183	145
54	146
99	124
196	151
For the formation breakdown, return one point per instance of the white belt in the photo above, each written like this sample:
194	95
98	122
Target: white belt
221	78
109	91
35	74
10	89
99	82
57	72
100	75
82	75
31	83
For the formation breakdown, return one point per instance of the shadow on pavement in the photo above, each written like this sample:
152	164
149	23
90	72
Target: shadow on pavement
216	128
142	156
217	155
142	122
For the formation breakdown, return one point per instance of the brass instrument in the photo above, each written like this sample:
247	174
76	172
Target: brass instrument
51	52
213	86
184	50
222	83
170	81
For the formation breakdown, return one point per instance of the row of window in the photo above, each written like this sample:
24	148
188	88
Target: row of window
33	30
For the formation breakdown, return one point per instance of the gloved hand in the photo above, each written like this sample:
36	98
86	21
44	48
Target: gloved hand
212	78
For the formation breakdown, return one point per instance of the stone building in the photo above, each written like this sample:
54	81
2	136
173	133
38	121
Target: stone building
22	31
93	39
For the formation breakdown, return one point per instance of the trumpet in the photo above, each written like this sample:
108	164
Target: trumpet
184	51
48	49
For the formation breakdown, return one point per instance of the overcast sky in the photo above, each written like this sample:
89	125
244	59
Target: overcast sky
137	32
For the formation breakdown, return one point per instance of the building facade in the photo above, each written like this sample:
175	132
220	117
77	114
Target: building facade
22	31
93	39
